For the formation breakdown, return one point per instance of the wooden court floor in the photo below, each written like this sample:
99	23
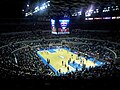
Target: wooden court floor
60	55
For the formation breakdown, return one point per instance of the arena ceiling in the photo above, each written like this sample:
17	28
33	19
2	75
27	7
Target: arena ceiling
64	7
57	6
74	4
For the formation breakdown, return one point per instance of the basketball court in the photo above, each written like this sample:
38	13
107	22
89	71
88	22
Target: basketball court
59	59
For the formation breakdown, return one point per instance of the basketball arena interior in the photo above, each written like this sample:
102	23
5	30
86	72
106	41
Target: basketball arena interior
58	44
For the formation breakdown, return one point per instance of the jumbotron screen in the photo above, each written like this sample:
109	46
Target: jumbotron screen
63	27
53	27
60	26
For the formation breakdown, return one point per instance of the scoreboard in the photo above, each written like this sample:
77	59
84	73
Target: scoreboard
60	26
53	27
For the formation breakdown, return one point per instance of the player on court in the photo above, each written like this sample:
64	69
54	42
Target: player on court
62	63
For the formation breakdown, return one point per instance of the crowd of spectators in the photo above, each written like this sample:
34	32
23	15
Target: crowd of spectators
18	58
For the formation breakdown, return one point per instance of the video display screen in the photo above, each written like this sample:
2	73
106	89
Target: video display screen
60	26
53	27
63	27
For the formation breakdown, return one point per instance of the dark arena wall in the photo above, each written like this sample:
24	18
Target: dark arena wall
96	24
9	25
